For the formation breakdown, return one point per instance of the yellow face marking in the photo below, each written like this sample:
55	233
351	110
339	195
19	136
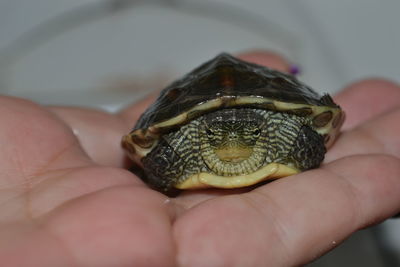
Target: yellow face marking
233	154
206	180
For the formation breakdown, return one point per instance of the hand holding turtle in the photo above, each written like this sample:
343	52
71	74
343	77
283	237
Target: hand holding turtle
66	201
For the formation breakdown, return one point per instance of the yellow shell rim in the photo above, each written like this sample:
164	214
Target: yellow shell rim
207	180
152	133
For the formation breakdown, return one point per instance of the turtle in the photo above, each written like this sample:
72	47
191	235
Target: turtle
231	124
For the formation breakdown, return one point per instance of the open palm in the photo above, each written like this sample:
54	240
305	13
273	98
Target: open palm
65	199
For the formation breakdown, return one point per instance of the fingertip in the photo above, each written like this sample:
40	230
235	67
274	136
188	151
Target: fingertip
99	133
370	85
374	182
367	98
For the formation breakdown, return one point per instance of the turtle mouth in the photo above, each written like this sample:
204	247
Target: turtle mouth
231	161
233	154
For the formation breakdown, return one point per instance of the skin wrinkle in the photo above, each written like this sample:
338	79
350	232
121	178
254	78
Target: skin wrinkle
355	191
372	137
109	128
381	159
174	214
178	208
26	186
25	194
56	177
65	204
351	193
63	173
69	251
284	233
174	210
53	178
37	227
62	245
253	203
364	136
30	178
375	137
74	143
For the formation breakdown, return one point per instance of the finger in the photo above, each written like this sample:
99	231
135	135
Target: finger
104	228
99	133
125	226
34	140
132	112
291	221
42	158
376	136
366	99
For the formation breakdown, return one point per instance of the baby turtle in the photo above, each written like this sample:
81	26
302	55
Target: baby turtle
231	124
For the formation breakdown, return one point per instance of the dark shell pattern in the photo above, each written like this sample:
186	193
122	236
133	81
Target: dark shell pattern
227	76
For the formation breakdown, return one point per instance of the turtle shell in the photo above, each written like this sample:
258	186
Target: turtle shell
224	82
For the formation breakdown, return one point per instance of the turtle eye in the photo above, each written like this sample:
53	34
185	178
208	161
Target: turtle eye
209	133
256	132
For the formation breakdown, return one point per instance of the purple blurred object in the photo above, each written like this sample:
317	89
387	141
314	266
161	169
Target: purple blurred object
294	69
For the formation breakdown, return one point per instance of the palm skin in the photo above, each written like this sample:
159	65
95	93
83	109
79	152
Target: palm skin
67	201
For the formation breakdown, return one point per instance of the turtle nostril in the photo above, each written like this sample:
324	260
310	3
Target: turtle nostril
232	136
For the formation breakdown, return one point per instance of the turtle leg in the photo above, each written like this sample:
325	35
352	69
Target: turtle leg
161	167
175	157
308	149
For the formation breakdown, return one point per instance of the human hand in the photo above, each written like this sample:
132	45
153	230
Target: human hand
67	201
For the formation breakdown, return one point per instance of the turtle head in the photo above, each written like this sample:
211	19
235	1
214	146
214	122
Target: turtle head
229	138
232	141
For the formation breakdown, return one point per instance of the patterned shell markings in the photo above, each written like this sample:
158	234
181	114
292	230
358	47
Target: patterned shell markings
226	76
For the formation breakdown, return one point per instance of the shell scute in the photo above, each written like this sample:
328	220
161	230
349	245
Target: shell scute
227	77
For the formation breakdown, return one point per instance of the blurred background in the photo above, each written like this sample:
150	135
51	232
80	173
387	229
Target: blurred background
109	53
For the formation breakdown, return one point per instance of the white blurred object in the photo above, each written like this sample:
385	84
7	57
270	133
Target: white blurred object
391	237
76	56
